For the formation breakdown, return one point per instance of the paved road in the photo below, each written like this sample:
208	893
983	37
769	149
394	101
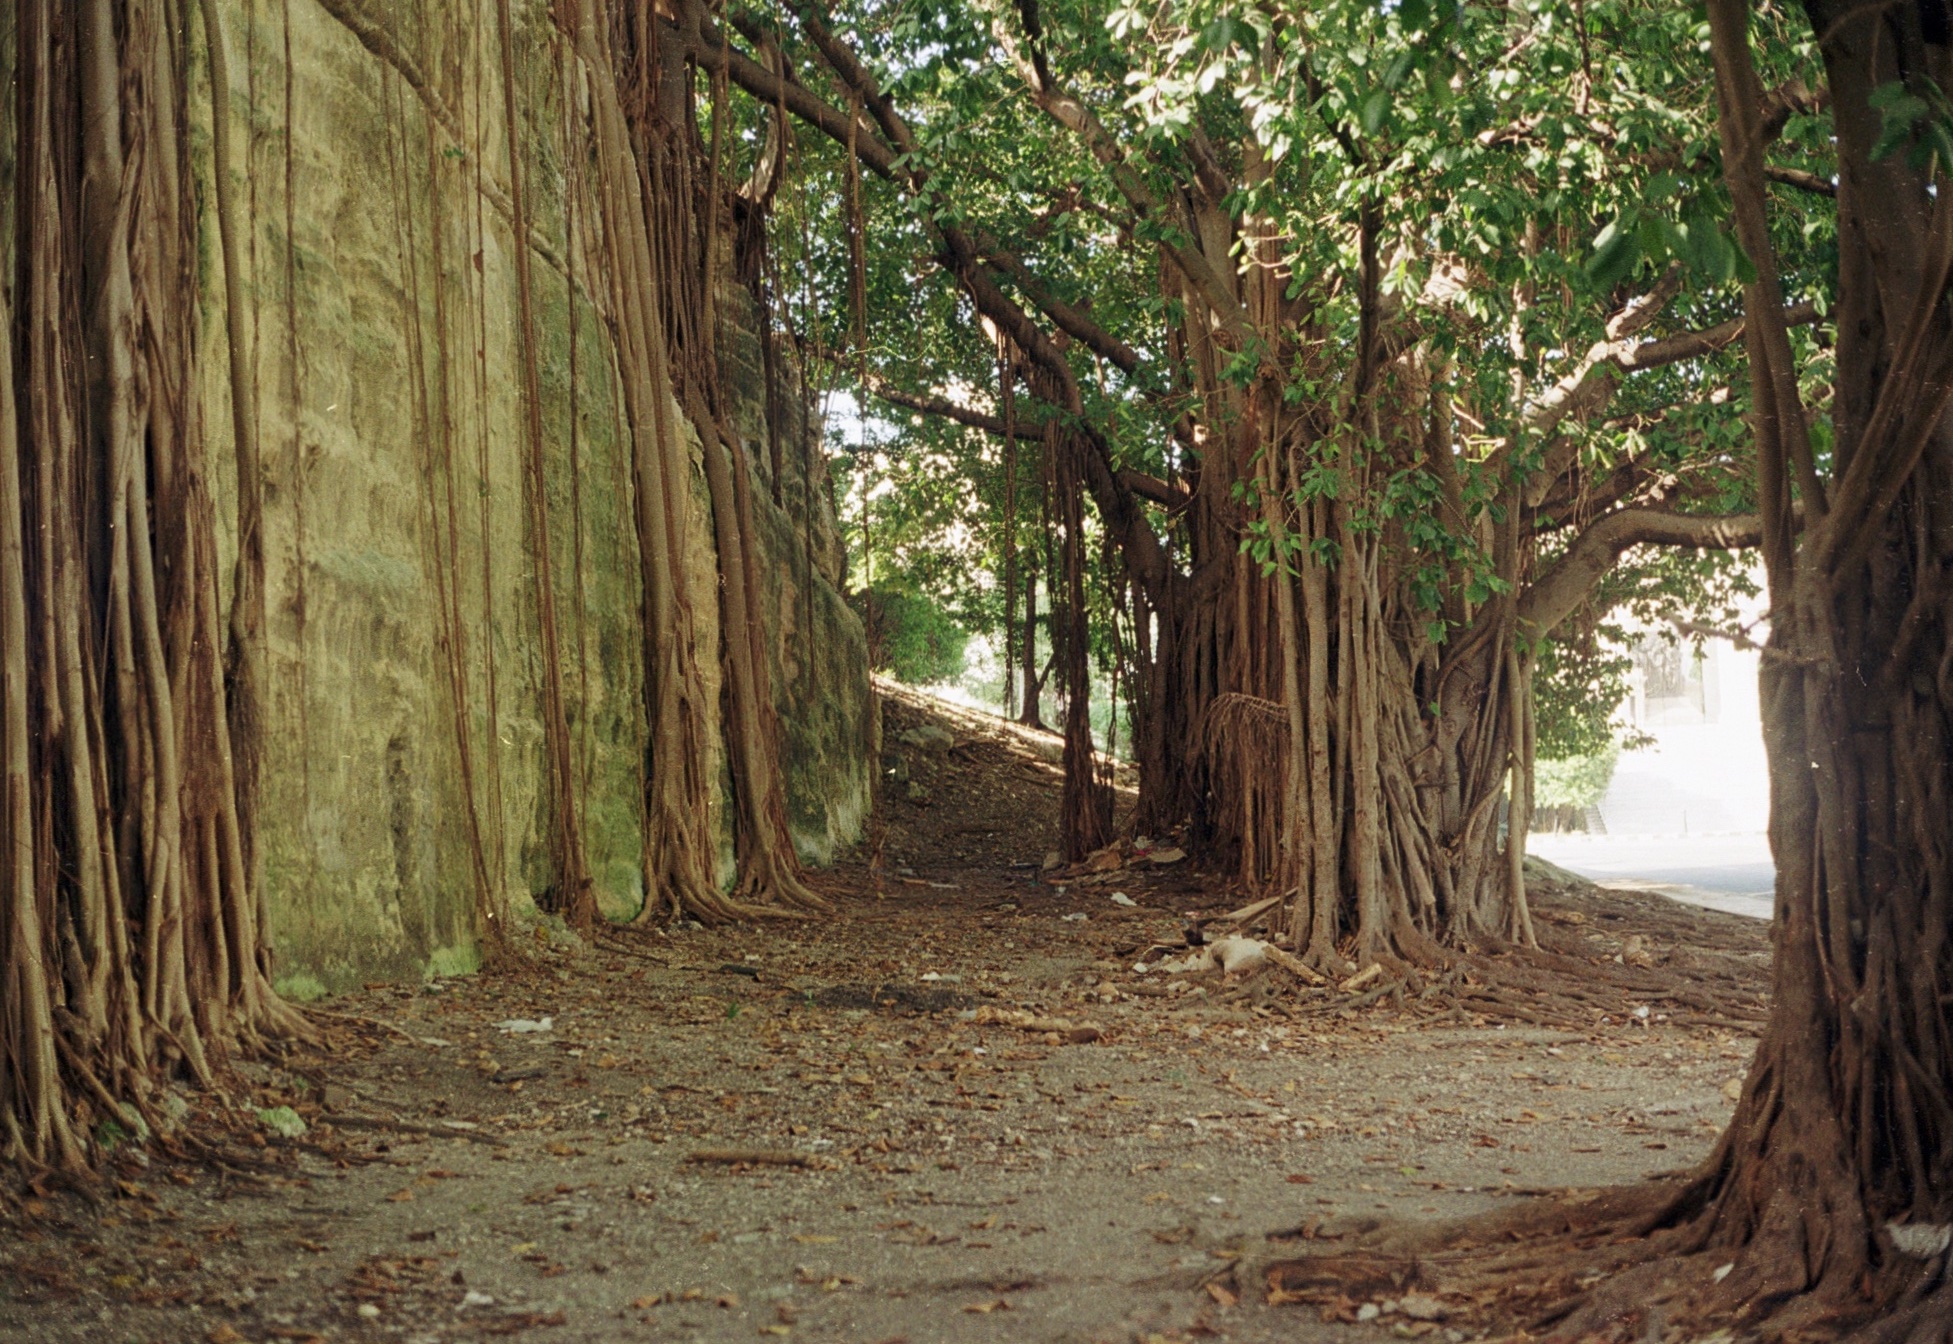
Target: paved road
1723	872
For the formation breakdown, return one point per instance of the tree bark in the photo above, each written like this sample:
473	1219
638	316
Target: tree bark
1830	1193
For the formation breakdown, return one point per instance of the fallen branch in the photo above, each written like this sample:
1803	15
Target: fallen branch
756	1157
1073	1033
357	1020
411	1127
1294	965
622	950
1242	915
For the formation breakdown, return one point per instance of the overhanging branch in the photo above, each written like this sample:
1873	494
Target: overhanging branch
702	44
945	409
1798	178
1556	593
1146	557
1696	344
1587	389
1077	117
1068	318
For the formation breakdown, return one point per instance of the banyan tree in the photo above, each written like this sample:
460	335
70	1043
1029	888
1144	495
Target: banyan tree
1355	376
139	671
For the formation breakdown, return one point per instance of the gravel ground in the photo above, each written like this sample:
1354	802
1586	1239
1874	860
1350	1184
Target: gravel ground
960	1179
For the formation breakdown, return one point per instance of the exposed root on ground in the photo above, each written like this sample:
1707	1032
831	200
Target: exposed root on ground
1678	965
706	905
1600	1267
1528	1264
774	885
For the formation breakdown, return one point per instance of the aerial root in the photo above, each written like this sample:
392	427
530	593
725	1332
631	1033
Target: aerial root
1924	1318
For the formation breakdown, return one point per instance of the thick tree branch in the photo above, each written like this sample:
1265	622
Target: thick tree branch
1591	384
1696	344
1067	318
1081	327
1164	493
1168	493
1564	585
949	410
1798	178
1145	556
702	44
1075	116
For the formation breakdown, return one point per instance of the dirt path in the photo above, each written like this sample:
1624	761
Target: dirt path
962	1180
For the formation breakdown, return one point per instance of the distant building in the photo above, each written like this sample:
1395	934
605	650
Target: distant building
1705	772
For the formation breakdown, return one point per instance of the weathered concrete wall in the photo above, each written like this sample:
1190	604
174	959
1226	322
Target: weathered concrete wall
401	580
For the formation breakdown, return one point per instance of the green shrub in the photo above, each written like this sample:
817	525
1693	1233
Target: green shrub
1576	781
911	636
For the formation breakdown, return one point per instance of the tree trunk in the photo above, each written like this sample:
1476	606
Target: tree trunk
1031	715
1085	803
769	871
677	842
1318	739
663	255
1831	1191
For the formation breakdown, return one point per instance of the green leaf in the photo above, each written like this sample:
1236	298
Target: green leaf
1616	249
1899	113
1375	107
1661	186
1941	139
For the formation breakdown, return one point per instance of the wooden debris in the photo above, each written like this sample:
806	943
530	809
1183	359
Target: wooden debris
1295	966
1373	971
1244	914
756	1157
411	1127
1070	1032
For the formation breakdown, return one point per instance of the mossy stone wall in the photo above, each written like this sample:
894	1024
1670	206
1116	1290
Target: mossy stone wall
400	570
